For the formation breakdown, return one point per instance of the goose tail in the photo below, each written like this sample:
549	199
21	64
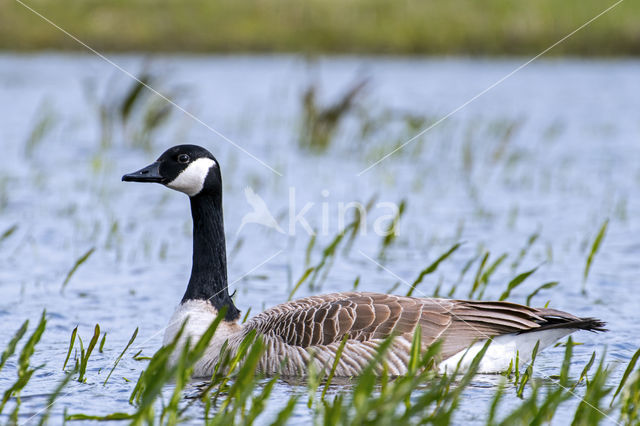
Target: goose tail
588	324
555	319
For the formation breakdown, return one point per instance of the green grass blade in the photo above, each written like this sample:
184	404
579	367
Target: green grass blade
486	275
589	410
11	347
258	402
115	364
71	344
24	372
44	124
356	283
544	286
432	268
54	396
246	315
108	417
302	279
6	234
416	350
29	346
476	280
135	93
523	252
15	389
585	370
102	342
86	354
566	363
493	409
76	265
528	372
519	279
626	374
594	250
336	361
392	230
286	412
309	249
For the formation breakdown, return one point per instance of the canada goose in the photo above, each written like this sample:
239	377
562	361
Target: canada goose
311	329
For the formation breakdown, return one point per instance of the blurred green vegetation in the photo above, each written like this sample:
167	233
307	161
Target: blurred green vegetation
500	27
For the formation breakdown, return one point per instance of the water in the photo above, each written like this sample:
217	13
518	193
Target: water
569	163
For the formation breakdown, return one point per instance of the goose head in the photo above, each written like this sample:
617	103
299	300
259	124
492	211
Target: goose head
190	169
194	171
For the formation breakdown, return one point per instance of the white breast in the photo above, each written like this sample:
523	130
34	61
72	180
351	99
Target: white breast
199	315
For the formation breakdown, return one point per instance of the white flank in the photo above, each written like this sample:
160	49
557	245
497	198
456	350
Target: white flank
503	349
191	180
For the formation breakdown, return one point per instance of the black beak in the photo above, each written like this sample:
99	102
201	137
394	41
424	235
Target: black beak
151	173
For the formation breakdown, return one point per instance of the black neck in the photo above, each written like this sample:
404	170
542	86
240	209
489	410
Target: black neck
209	271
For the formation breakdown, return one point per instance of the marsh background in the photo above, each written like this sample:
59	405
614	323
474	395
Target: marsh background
525	176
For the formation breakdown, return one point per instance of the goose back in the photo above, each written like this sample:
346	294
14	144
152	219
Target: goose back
312	328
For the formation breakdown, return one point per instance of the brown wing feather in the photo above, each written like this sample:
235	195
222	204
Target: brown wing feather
322	320
326	319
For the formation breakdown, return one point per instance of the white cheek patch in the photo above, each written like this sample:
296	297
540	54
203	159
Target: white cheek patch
191	180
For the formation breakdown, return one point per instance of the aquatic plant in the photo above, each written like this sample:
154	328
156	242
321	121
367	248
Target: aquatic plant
595	246
320	123
83	361
8	232
76	265
24	372
134	115
432	268
235	393
391	232
115	364
519	279
44	123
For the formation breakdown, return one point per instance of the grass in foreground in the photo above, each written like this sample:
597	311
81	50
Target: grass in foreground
235	393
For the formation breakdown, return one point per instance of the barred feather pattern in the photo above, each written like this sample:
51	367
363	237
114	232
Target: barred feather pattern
311	329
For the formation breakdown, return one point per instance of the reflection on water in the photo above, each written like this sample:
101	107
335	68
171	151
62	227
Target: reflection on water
531	170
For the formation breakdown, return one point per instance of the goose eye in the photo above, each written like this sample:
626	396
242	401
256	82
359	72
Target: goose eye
183	158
